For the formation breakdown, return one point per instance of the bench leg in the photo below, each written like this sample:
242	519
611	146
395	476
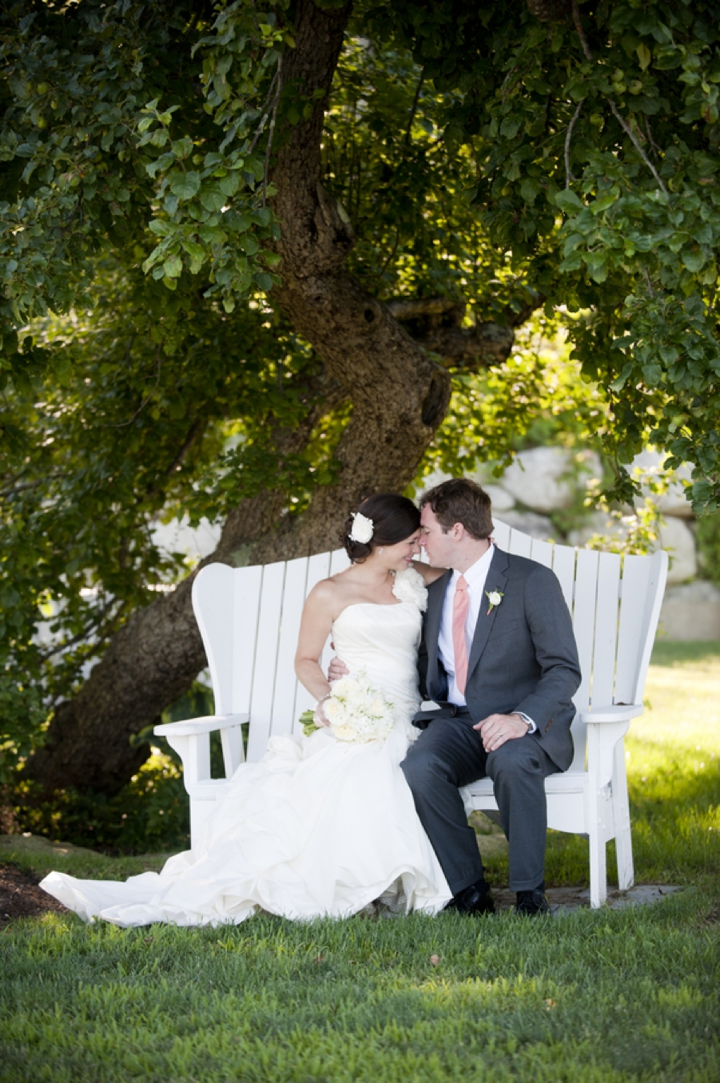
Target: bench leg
621	815
598	866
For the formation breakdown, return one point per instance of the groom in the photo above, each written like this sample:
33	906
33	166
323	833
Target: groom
498	658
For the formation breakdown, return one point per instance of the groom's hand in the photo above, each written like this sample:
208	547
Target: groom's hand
336	670
496	729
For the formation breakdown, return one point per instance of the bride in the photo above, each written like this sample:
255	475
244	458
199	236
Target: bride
320	826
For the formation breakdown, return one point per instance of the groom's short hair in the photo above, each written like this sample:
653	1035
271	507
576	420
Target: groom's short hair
460	500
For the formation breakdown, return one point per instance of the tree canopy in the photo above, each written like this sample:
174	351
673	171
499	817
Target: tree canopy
249	251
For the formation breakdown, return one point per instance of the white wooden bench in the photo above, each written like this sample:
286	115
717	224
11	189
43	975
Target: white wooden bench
249	619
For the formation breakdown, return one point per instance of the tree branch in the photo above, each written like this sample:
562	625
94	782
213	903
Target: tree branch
568	175
435	323
413	110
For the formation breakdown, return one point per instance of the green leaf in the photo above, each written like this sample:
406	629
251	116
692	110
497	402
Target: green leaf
160	226
567	201
212	199
529	189
197	254
597	265
249	243
604	201
229	184
184	185
693	259
510	126
172	267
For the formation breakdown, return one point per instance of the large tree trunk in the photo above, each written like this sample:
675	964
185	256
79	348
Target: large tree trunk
399	398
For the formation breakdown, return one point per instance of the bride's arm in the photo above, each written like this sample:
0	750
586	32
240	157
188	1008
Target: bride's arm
428	573
317	618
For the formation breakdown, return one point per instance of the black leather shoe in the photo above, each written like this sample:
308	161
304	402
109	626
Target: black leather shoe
476	899
532	903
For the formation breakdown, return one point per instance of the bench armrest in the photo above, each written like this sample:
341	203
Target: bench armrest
206	724
620	712
191	740
606	727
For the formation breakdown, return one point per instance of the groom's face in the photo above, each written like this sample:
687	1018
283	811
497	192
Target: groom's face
441	547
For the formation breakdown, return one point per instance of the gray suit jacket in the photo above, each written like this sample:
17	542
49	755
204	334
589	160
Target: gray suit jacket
523	655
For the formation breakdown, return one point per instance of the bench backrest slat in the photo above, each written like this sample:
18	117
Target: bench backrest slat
642	594
606	628
263	688
563	565
283	711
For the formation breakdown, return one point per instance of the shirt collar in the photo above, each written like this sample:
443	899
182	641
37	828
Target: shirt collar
477	571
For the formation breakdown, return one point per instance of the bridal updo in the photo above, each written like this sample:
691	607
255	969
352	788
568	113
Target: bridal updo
394	518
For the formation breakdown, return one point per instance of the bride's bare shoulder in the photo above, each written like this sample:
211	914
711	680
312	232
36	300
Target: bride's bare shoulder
329	590
428	573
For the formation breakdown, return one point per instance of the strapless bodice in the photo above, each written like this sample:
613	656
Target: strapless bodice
382	641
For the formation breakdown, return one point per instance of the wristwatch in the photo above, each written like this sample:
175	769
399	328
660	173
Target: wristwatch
531	727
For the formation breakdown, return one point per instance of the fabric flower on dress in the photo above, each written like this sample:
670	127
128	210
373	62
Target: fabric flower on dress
409	586
362	529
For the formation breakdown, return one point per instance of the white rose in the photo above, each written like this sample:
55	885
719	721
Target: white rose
344	733
494	597
345	687
332	709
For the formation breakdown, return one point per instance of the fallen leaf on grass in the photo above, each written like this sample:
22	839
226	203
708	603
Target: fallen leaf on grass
434	960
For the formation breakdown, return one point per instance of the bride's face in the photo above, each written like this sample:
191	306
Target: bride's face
401	554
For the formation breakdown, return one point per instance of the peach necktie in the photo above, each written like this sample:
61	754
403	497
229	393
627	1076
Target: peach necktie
460	608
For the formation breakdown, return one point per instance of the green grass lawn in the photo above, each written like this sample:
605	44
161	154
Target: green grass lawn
587	996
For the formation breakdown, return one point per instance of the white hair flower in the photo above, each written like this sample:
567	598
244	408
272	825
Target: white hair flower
362	528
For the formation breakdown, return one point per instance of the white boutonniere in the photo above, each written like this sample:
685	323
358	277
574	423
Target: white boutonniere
494	597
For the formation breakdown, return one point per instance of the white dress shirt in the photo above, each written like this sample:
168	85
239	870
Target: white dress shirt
475	577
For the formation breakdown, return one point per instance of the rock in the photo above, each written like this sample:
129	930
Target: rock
436	478
678	539
537	526
598	522
691	611
178	536
501	498
673	502
674	536
537	476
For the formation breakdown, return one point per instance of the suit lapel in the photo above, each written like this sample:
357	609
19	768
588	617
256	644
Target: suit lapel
436	599
496	580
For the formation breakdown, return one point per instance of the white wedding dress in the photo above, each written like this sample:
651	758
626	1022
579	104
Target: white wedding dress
318	827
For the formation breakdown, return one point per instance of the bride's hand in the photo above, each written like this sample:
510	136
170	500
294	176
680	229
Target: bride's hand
337	669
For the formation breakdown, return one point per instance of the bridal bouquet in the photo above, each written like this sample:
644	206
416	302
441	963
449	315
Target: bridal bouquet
356	712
